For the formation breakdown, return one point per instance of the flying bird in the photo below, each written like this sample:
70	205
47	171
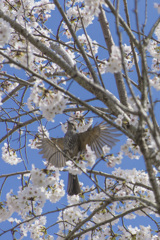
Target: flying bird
55	150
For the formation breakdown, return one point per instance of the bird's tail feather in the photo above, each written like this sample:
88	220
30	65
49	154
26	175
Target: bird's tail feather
73	187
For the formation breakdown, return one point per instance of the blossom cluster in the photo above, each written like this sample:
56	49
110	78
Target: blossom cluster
85	13
70	217
5	32
155	82
19	49
9	155
112	160
133	120
114	64
52	104
30	200
131	150
7	86
49	102
140	233
153	48
130	185
42	131
88	43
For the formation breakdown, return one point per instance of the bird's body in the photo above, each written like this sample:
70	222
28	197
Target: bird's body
72	148
57	151
71	142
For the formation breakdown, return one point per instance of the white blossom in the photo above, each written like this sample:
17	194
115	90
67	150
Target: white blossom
5	32
131	150
50	104
86	41
76	168
38	178
9	155
114	64
156	5
155	82
90	156
106	149
119	120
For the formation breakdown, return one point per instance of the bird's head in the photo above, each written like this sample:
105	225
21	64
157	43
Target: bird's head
71	126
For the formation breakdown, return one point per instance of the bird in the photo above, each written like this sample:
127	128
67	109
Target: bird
55	150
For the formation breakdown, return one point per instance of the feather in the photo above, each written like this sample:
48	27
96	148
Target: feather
98	136
52	150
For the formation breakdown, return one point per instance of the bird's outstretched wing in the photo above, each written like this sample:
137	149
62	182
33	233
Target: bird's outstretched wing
52	151
98	136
